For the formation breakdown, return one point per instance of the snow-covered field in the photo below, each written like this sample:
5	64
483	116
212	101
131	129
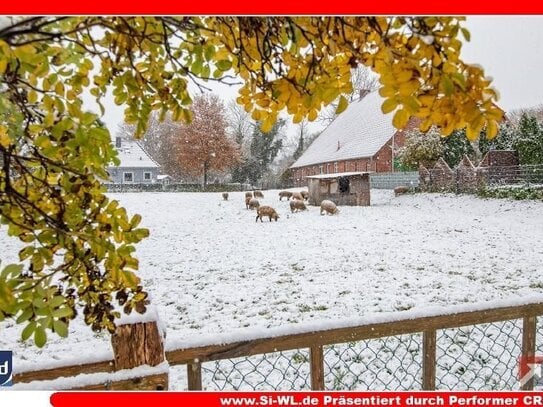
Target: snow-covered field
211	269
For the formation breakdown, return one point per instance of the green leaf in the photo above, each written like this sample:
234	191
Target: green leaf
448	85
40	337
28	331
342	105
25	316
224	65
57	301
12	270
62	312
60	328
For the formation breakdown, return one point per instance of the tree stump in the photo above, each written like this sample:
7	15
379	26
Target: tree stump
139	344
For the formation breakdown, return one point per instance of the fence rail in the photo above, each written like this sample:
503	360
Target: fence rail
428	352
314	342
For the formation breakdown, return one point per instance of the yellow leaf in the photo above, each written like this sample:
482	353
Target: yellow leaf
400	119
3	65
256	115
472	133
404	76
491	129
268	124
387	91
32	96
312	115
297	118
5	140
342	105
389	105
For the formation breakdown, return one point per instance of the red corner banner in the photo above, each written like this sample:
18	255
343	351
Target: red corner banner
320	399
277	7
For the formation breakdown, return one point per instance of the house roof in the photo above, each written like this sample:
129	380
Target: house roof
132	154
360	131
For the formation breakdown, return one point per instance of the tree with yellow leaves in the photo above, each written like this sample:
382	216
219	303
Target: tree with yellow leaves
78	244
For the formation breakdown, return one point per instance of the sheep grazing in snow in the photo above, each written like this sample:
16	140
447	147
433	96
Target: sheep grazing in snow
297	205
328	207
258	194
284	194
297	195
305	195
401	190
248	194
252	203
225	196
266	211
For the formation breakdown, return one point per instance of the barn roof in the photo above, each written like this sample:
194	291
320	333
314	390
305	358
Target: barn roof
338	175
360	131
132	155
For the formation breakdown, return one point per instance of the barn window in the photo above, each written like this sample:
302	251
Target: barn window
336	167
147	176
320	169
128	177
344	185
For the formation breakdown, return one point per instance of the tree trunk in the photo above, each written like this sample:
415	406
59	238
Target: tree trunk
205	175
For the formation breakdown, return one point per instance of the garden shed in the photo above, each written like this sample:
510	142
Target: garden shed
345	188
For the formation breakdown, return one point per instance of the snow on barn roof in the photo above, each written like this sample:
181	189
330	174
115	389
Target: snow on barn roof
360	131
132	154
338	175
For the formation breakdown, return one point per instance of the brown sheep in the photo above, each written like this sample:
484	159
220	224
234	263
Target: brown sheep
266	211
401	190
285	194
252	204
248	194
328	207
225	196
258	194
305	195
297	205
297	195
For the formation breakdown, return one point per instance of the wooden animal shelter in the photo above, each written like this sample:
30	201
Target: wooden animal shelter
344	189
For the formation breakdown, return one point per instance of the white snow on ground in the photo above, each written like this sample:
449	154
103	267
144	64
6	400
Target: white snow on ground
211	269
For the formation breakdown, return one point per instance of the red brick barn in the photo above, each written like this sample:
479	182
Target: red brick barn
361	139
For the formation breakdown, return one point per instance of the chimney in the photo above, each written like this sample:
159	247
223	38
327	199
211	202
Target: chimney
363	93
118	142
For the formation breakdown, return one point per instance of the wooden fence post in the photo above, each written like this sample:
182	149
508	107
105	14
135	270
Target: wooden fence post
317	367
194	375
529	329
429	359
140	344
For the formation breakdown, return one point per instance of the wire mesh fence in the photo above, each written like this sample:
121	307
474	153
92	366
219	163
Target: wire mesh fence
270	371
470	179
391	363
475	357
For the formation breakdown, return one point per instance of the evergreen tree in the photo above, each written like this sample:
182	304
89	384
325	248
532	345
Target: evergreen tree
455	146
264	147
529	141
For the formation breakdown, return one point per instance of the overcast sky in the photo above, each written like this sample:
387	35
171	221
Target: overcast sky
510	48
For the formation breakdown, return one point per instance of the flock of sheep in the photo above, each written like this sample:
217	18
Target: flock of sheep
297	203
